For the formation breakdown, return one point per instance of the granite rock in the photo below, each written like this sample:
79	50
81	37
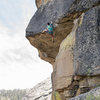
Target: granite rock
87	45
41	91
91	95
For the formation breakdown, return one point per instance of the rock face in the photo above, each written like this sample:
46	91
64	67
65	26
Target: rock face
42	91
63	67
54	10
87	46
49	12
92	95
62	13
75	53
41	2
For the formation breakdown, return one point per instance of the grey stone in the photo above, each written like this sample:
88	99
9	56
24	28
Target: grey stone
87	46
41	91
82	5
91	95
54	10
50	12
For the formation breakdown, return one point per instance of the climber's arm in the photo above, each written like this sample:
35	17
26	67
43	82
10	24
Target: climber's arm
45	30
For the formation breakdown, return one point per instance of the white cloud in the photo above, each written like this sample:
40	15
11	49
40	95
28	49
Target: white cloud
20	66
26	8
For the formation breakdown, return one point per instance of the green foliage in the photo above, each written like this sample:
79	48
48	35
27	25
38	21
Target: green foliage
12	94
92	97
56	96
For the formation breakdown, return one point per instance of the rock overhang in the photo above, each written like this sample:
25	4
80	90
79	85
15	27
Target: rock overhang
60	13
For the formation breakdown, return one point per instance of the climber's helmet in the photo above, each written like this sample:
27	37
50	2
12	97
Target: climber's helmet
48	23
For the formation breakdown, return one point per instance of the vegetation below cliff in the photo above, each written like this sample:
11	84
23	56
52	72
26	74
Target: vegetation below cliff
12	94
42	91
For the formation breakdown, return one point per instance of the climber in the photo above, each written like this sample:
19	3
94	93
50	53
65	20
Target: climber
49	30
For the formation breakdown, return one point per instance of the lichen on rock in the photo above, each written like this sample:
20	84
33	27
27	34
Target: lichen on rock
92	95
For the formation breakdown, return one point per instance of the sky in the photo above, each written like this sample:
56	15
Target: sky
20	66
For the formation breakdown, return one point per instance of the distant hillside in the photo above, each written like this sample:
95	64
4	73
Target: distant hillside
12	94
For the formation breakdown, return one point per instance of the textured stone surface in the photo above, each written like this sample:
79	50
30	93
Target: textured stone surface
40	3
63	67
87	46
82	5
90	82
92	95
50	12
54	10
79	52
41	91
47	49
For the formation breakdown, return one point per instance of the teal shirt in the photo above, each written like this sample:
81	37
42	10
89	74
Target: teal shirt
50	27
